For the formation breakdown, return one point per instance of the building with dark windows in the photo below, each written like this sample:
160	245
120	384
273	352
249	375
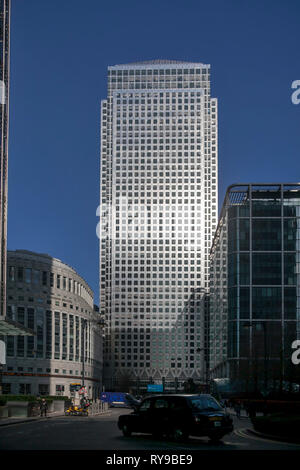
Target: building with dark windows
7	326
4	112
159	181
255	286
50	298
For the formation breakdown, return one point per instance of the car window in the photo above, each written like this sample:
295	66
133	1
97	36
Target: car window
177	404
145	405
204	403
160	403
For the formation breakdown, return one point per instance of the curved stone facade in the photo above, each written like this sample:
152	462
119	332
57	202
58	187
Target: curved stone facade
48	296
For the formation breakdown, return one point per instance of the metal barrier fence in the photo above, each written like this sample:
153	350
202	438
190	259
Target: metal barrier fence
97	407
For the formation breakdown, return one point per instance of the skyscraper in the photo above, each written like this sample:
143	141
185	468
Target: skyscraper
7	326
4	111
158	214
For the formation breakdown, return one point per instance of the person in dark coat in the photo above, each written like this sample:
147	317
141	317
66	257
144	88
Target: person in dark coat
43	407
252	410
237	409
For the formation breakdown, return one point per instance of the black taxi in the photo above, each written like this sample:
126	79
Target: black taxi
178	416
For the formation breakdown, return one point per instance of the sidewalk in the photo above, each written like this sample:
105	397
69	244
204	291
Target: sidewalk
243	413
23	419
54	414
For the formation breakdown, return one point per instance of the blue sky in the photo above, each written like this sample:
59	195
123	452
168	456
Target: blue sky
60	50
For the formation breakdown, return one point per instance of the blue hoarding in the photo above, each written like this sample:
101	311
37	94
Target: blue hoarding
155	388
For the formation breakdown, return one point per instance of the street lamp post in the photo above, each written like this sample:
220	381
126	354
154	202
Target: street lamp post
264	326
1	380
199	350
84	324
93	323
265	356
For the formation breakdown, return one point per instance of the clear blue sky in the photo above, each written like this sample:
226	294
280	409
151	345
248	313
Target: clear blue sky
60	50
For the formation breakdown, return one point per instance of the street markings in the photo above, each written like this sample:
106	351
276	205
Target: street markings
245	434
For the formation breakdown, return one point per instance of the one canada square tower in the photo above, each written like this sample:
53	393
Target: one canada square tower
158	213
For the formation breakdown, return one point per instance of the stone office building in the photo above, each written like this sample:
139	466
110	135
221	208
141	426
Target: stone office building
49	297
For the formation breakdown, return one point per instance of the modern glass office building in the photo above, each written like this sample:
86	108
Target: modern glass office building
6	325
4	116
158	215
255	284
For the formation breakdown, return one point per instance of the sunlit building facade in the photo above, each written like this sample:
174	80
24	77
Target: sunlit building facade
158	215
49	297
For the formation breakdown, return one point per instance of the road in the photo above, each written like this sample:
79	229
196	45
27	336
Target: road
102	433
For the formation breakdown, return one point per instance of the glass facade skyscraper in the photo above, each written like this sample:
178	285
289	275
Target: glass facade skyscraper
4	112
158	214
254	293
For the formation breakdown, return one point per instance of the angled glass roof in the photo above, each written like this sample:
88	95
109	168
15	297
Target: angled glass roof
9	327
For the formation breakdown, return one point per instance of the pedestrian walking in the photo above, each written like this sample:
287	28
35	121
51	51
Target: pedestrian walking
252	410
43	407
237	409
